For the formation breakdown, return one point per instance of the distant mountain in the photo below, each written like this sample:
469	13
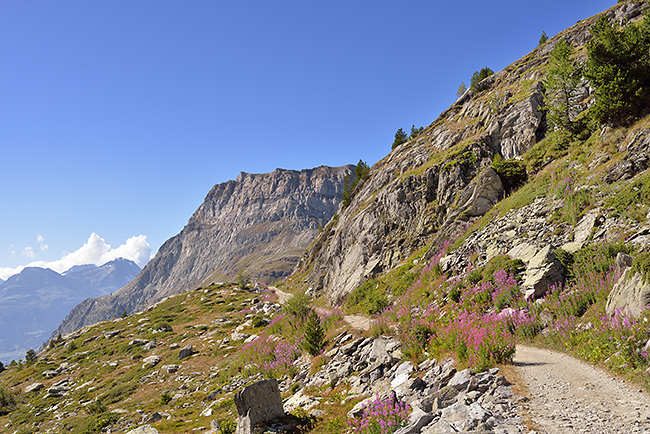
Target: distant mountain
259	224
35	301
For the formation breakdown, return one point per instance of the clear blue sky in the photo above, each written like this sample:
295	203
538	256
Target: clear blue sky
117	117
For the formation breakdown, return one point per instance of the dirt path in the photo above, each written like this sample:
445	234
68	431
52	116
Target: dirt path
357	321
570	396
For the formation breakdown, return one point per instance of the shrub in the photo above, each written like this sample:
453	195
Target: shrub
165	398
95	424
512	172
257	321
369	296
297	306
478	77
7	401
226	426
96	407
641	264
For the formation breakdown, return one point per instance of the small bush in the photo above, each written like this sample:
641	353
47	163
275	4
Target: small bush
257	321
512	172
95	424
165	398
369	296
7	401
96	407
226	426
641	264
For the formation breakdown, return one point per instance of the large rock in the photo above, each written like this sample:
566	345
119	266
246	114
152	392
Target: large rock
34	387
258	403
629	295
186	351
150	361
543	271
144	429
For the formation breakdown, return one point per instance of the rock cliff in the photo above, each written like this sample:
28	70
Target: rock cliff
258	224
427	191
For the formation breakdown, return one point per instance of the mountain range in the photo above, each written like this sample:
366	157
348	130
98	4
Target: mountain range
35	301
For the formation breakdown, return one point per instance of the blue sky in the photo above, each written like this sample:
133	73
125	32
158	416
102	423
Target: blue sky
117	117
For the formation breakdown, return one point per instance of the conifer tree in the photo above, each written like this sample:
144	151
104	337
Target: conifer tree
314	334
561	84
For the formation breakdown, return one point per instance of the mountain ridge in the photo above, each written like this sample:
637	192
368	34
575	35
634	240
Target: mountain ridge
258	224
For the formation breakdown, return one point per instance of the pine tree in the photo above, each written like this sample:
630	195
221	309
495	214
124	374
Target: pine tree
400	137
618	66
543	38
461	89
561	83
314	334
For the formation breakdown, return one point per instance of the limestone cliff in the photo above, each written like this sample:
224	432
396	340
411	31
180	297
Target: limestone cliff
258	224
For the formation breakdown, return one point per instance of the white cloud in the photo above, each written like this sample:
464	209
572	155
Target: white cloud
29	252
94	251
44	247
40	239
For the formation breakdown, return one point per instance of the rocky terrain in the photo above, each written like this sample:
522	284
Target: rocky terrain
186	349
429	190
408	312
258	224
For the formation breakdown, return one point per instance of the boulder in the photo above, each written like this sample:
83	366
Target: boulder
151	361
379	352
461	379
630	294
170	369
139	341
186	351
34	387
149	345
144	429
418	419
543	271
462	416
402	374
440	427
258	403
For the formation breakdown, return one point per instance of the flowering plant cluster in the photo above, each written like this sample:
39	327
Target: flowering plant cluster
381	417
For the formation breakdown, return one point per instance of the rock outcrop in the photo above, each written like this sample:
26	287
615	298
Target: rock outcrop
428	189
258	224
630	295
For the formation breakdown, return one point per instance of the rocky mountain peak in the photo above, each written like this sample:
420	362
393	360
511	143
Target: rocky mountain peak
258	224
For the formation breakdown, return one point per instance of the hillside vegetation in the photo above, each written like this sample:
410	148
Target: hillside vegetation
521	215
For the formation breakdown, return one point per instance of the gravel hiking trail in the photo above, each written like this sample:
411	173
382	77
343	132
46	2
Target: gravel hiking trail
570	396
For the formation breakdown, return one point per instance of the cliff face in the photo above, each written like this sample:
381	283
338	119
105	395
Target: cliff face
258	224
428	190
